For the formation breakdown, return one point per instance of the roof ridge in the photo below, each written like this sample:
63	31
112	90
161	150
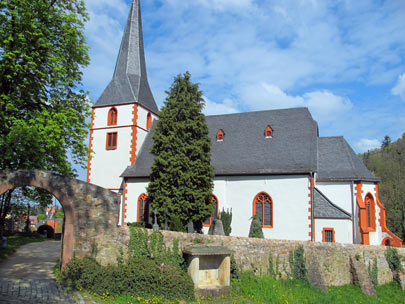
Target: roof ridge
259	111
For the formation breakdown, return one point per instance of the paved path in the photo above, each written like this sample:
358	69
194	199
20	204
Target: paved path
27	277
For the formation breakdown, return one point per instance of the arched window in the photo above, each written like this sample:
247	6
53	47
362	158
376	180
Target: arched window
142	206
263	207
214	214
148	121
112	117
268	132
370	208
220	135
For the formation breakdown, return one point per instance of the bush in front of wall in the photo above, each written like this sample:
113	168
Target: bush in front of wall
373	272
393	259
226	218
297	264
142	277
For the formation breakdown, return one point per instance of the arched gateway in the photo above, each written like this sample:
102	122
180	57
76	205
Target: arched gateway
90	211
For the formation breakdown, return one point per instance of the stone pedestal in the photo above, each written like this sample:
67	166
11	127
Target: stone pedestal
210	269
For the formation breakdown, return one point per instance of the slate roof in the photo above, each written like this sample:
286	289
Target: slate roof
324	208
246	151
338	162
130	83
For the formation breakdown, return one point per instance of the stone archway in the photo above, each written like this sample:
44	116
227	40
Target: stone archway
90	211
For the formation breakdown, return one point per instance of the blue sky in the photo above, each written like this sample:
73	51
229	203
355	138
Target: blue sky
344	60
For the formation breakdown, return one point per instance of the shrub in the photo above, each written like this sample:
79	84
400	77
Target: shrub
393	259
137	224
256	228
226	218
235	272
373	272
297	264
141	277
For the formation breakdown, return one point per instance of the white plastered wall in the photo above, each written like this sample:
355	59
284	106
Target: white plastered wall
342	227
290	208
142	130
108	165
339	194
377	236
135	187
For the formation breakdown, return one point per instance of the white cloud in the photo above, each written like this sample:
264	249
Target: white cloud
366	144
226	107
226	4
399	89
324	105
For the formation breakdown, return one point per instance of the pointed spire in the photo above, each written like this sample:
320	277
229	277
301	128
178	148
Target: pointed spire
130	83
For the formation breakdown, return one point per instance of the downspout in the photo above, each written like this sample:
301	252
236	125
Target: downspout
354	237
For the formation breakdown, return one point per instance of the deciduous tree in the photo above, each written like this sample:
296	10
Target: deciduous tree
42	111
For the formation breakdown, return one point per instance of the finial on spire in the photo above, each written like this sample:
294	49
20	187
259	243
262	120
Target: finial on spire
130	83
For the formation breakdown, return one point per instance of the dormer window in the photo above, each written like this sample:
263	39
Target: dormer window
268	132
112	117
220	135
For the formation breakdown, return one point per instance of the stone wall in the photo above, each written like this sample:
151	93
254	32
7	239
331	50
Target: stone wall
253	254
89	210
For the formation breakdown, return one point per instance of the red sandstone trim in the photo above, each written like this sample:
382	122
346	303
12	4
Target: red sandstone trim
112	117
311	225
124	209
143	196
271	210
134	134
394	240
90	147
125	104
116	127
365	240
323	234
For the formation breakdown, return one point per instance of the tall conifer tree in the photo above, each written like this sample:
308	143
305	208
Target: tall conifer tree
181	174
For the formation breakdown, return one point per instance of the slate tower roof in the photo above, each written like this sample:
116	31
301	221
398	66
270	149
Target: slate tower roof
130	83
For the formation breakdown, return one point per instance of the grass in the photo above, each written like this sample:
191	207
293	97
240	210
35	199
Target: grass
14	242
251	289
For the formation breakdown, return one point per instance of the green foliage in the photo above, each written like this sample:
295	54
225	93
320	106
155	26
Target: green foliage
297	264
388	163
256	230
140	224
235	272
181	174
254	289
42	112
393	259
271	271
373	272
138	243
41	216
152	246
226	218
176	224
141	277
60	215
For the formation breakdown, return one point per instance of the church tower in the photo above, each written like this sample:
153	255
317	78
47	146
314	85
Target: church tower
123	114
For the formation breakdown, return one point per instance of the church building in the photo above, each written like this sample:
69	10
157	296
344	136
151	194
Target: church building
270	163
